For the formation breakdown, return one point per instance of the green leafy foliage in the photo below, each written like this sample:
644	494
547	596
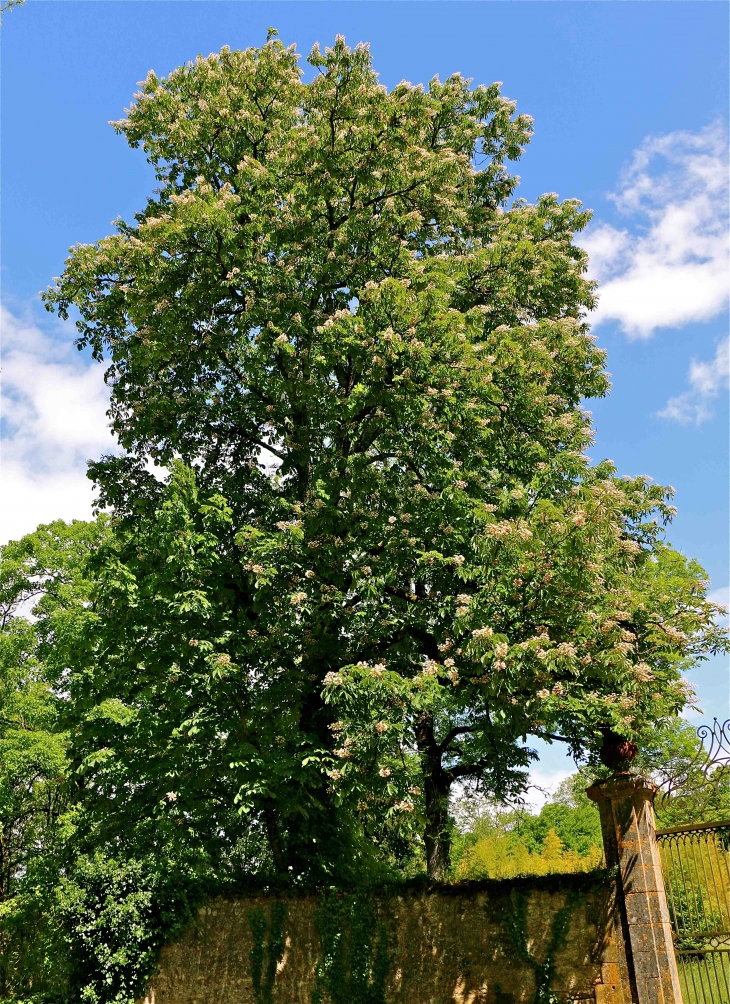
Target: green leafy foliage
44	573
374	367
570	814
355	960
564	837
266	954
180	729
117	912
515	924
376	557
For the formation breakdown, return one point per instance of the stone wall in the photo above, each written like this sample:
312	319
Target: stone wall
462	944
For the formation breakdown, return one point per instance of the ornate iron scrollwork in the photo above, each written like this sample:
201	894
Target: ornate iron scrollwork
693	784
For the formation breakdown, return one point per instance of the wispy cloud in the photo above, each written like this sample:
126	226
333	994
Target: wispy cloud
707	379
673	269
53	421
722	598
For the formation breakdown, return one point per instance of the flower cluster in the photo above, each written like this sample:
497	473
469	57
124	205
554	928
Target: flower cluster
642	672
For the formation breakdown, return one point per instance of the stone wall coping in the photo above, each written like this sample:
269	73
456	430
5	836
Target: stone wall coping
554	882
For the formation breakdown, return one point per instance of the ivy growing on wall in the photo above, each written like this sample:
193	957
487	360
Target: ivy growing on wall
514	922
267	950
355	960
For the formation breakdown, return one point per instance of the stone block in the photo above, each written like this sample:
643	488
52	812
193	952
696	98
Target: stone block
646	908
605	994
611	973
651	938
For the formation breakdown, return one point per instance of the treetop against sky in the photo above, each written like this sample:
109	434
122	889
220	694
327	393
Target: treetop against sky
657	245
434	569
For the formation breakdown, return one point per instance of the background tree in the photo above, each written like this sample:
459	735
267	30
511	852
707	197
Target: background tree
43	589
499	841
85	903
43	576
493	841
382	557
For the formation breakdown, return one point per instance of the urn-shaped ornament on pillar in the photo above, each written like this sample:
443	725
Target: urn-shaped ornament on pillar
616	751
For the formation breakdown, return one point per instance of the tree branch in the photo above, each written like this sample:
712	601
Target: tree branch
551	736
458	730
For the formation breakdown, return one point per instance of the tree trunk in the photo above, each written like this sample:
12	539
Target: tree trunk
436	787
272	832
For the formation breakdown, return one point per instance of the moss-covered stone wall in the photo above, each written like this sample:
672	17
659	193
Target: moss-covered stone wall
524	940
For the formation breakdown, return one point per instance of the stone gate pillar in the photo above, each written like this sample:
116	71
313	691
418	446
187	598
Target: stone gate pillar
626	805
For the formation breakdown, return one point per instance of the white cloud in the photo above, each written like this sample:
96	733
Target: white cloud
674	269
706	380
54	405
722	598
544	784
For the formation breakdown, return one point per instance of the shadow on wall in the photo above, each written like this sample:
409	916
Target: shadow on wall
490	942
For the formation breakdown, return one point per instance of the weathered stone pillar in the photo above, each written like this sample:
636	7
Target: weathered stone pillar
626	805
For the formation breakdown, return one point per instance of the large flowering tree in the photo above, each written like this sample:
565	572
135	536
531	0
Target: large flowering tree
383	558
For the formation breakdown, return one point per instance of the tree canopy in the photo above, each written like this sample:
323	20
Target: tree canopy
378	556
386	553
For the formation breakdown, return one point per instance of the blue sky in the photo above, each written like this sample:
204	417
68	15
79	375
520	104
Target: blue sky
630	104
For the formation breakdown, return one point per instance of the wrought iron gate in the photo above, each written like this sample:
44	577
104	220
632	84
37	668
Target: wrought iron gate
696	867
